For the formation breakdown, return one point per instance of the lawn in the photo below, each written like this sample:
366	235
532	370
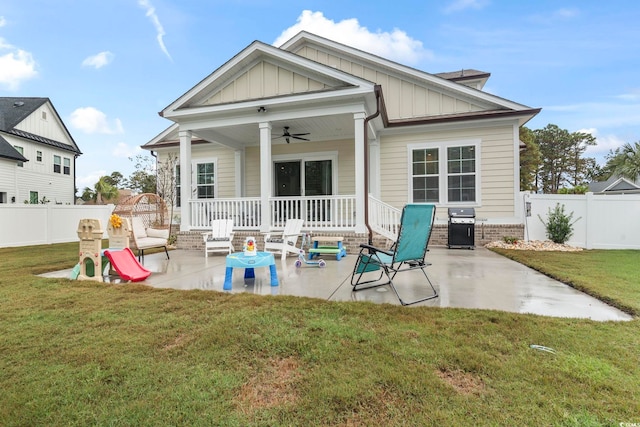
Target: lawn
85	353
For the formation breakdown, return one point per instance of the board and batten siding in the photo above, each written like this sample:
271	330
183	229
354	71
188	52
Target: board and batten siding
263	80
44	122
496	163
403	98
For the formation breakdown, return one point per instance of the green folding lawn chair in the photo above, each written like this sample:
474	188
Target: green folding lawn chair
408	253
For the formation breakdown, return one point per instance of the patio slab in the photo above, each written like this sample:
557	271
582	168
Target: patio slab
464	278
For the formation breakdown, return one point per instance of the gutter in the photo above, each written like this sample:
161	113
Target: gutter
378	92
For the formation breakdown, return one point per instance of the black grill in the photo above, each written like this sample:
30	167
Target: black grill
462	223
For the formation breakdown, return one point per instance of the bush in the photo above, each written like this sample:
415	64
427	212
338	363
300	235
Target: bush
559	225
511	240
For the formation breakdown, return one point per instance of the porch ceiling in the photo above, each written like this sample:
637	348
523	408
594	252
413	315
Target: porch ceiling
324	128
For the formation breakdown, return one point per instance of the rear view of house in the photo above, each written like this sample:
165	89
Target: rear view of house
341	138
37	153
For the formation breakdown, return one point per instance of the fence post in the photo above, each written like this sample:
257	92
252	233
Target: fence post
588	221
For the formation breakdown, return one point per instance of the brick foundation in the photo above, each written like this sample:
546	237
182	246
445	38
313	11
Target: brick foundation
484	234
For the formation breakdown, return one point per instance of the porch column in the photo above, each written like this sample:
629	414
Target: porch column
266	175
239	168
358	123
185	179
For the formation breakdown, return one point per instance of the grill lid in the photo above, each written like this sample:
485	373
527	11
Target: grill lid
462	212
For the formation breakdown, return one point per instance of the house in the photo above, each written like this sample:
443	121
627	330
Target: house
615	185
293	131
37	153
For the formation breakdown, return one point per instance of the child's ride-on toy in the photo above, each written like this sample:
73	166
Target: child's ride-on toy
301	258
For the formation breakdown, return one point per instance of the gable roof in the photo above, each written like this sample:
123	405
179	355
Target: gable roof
14	110
327	81
8	152
614	184
446	82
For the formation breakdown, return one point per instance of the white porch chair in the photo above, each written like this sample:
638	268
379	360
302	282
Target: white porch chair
286	241
220	238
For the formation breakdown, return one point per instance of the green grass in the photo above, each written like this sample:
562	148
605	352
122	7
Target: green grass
85	353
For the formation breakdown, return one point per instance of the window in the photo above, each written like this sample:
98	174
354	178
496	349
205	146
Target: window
39	156
57	164
3	197
178	198
461	174
67	166
21	151
444	172
426	181
205	180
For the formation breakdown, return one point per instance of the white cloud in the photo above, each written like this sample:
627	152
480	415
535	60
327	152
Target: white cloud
16	66
99	60
395	45
460	5
125	151
91	120
151	13
3	21
89	180
605	143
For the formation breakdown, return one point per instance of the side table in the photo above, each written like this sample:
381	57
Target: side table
240	260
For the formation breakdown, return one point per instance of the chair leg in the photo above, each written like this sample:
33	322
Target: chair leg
434	295
166	252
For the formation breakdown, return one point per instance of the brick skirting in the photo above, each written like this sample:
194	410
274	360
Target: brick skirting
484	234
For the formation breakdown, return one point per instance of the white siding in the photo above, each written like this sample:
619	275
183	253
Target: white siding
496	167
44	122
37	176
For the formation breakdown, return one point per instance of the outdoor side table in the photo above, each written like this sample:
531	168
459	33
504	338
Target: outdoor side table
240	260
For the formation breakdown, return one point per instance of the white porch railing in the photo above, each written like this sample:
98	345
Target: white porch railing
245	212
384	219
319	213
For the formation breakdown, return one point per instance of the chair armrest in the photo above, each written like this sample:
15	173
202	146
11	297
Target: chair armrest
154	232
373	249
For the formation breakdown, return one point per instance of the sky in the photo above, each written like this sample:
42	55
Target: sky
109	67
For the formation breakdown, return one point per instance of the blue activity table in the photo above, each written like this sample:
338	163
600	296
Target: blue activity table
240	260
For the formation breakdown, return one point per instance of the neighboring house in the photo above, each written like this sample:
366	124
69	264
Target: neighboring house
37	153
291	131
615	185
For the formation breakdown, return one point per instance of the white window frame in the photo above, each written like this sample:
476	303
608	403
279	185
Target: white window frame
310	157
59	163
20	150
194	176
39	156
442	147
66	169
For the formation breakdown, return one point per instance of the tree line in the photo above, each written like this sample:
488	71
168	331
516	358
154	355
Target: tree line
553	161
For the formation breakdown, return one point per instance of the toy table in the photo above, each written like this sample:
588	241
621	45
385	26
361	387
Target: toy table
240	260
334	247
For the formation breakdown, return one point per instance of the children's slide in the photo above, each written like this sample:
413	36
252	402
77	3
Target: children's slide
126	265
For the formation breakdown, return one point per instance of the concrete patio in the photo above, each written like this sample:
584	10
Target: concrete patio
464	278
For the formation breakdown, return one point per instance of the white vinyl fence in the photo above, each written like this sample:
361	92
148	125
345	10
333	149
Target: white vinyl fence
600	221
25	225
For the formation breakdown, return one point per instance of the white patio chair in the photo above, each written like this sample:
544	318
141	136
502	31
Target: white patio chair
220	238
286	241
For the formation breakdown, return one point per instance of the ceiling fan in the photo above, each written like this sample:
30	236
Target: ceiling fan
288	136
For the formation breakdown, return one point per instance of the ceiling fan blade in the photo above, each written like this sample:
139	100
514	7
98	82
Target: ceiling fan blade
300	134
298	137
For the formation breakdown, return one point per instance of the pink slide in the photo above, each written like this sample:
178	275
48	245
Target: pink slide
126	264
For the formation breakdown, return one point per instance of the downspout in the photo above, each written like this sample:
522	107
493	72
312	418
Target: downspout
155	156
378	91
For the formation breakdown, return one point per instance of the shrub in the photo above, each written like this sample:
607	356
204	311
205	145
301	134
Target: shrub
511	240
559	225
